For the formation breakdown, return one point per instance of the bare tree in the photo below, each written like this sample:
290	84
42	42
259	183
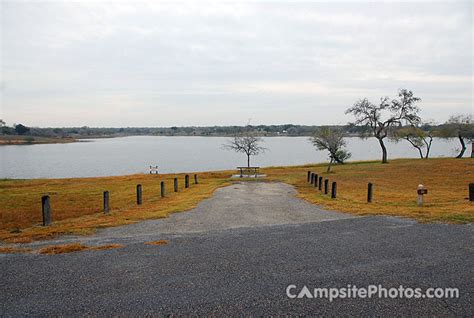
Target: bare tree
462	127
381	119
332	140
420	138
247	143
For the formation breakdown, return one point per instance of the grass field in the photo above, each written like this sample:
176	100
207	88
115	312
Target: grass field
77	203
394	188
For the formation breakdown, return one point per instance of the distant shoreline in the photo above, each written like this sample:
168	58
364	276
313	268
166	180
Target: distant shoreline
36	135
17	140
24	140
21	140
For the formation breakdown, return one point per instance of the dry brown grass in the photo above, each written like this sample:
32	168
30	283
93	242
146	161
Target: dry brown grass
12	250
395	187
77	203
59	249
75	247
160	242
29	140
104	247
63	248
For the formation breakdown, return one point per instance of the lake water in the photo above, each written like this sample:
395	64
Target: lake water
129	155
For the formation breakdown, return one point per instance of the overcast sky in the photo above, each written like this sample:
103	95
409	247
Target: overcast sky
222	63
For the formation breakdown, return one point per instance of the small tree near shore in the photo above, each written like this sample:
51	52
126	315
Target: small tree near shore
333	141
247	143
420	138
381	119
461	127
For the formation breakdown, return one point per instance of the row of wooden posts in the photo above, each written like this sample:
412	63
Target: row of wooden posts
46	205
317	181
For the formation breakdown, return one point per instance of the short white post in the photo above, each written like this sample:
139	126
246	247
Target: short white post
421	191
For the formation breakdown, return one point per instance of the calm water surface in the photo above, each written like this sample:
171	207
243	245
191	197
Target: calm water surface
129	155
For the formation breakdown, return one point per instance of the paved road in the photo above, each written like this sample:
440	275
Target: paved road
236	253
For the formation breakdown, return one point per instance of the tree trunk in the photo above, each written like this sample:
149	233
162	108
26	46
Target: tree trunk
420	152
428	148
463	149
384	151
248	161
329	166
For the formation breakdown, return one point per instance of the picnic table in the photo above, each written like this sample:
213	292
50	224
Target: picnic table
153	169
248	171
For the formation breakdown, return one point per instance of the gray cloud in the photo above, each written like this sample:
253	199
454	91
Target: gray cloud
165	63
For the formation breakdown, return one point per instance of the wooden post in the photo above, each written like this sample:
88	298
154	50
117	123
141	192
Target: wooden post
175	184
186	181
46	208
315	180
196	179
471	192
309	176
139	194
106	202
333	190
369	192
312	178
326	186
162	189
320	183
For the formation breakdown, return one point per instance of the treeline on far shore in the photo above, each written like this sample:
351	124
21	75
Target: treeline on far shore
260	130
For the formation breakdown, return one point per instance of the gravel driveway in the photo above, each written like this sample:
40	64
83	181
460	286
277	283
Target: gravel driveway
236	253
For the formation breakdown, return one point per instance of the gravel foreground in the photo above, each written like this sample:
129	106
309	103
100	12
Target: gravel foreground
236	253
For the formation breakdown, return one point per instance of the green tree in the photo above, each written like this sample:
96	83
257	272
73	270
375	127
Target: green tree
420	137
461	127
21	129
332	140
379	120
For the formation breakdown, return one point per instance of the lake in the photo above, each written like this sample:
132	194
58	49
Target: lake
129	155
